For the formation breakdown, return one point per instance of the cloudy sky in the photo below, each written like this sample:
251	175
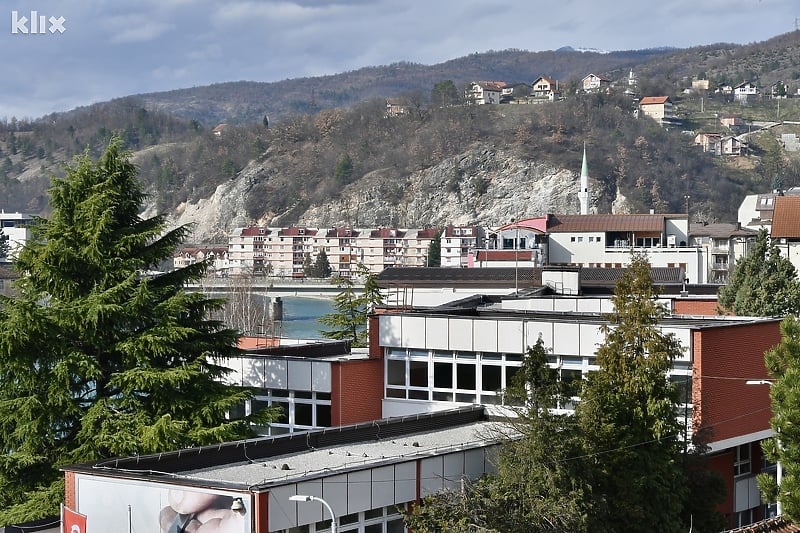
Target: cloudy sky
112	48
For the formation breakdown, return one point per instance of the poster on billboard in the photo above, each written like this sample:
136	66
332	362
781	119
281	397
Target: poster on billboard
130	505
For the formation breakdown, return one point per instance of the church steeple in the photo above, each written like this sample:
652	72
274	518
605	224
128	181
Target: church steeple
583	194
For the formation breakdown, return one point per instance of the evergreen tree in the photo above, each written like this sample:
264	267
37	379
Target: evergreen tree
538	483
435	251
308	266
344	170
349	320
627	416
97	357
783	364
763	283
322	267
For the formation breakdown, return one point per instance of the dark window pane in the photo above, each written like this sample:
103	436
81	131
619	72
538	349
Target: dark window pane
465	377
303	413
490	377
443	375
324	415
395	372
418	374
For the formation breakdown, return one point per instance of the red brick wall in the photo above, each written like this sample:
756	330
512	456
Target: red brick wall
373	325
356	391
70	496
724	359
695	306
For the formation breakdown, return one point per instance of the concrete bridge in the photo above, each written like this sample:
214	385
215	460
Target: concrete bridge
273	286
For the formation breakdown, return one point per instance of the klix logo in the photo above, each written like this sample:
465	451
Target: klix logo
36	24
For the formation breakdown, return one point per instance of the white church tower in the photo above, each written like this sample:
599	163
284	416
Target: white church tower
583	194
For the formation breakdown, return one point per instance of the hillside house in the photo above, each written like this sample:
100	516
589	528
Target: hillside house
745	90
658	108
484	92
515	93
396	107
700	85
717	144
733	121
778	90
219	129
545	87
593	83
709	142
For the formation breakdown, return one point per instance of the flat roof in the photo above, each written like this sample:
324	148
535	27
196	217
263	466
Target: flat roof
258	463
315	463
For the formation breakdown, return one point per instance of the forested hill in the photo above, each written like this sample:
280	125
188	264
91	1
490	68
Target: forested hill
292	162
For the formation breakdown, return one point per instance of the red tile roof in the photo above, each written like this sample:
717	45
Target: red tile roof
771	525
652	100
786	217
253	231
578	223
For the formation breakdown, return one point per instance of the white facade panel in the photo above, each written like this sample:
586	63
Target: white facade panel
390	330
684	335
395	407
276	375
431	476
282	511
321	376
565	305
509	336
533	330
486	335
405	482
590	339
308	512
566	338
589	305
299	375
453	470
413	332
359	491
460	334
383	487
474	463
436	337
746	494
334	492
252	372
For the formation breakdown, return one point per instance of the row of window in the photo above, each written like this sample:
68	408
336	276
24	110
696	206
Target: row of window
381	520
302	410
481	377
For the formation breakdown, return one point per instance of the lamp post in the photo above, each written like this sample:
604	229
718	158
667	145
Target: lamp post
306	498
778	467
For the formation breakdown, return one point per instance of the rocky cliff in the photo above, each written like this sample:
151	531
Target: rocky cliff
484	185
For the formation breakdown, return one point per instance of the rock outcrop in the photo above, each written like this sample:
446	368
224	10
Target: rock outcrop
484	185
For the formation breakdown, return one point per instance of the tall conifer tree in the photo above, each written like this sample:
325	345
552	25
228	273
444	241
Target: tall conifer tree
627	415
99	356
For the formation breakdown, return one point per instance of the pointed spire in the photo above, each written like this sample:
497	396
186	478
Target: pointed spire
583	194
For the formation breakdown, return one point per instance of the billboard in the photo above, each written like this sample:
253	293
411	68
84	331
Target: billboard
129	505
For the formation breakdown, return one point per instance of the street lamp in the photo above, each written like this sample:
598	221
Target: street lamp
306	498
